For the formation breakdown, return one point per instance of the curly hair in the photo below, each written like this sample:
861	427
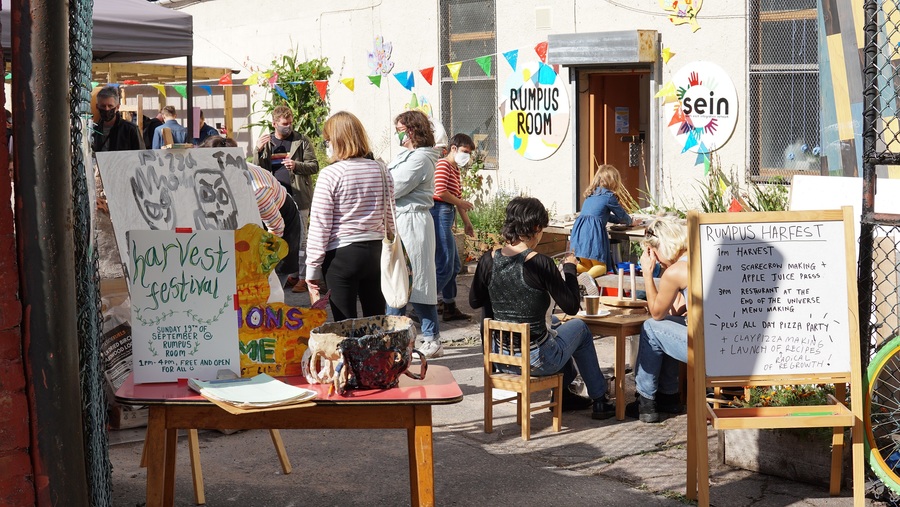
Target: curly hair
525	216
418	128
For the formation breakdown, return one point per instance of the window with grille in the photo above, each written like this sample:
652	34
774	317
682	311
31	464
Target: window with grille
469	106
783	94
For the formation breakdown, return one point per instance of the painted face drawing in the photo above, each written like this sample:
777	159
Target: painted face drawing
217	209
153	196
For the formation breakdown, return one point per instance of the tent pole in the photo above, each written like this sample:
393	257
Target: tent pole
190	99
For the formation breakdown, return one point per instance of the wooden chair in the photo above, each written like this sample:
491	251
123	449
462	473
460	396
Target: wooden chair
523	385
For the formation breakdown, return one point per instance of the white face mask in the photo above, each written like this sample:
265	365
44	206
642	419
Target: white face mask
462	158
329	152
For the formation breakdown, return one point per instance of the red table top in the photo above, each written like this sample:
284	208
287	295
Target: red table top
438	388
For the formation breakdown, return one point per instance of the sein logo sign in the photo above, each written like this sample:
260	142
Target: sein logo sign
706	113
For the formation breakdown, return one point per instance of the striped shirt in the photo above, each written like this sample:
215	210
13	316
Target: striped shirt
270	196
446	179
348	206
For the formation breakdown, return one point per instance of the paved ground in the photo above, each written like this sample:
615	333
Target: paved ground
589	463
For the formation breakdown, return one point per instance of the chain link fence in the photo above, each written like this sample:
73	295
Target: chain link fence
469	105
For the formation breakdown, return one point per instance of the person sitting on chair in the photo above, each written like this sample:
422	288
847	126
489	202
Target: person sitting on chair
517	284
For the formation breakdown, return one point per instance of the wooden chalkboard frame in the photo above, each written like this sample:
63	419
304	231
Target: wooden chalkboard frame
834	415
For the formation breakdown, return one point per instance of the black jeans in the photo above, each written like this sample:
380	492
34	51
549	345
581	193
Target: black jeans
293	235
354	271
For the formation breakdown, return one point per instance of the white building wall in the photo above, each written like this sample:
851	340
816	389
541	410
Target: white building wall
253	33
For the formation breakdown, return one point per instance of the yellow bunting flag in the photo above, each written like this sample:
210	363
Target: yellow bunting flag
667	54
349	82
160	88
253	79
454	67
667	92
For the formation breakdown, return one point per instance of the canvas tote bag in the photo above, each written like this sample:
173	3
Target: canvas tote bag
396	270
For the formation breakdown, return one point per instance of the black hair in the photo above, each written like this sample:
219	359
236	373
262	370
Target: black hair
523	216
462	141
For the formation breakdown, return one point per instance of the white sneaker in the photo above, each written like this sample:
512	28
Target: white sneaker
432	348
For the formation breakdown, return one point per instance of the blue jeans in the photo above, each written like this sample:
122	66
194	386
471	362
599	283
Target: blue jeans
573	344
446	256
428	314
663	346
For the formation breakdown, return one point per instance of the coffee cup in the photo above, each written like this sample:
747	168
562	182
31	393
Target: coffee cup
591	305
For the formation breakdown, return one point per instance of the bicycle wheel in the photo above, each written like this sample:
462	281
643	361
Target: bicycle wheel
882	414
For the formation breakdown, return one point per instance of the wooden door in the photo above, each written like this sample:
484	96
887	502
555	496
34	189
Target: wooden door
615	117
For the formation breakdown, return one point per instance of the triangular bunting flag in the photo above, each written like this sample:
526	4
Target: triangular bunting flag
161	89
225	79
295	82
130	82
181	89
735	206
349	82
273	79
9	76
706	165
114	85
94	84
701	156
541	50
322	86
546	76
376	80
511	58
207	89
454	67
252	79
665	90
280	91
690	142
485	63
428	74
667	54
406	79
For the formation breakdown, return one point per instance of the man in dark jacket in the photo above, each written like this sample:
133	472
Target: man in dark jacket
113	133
150	125
290	156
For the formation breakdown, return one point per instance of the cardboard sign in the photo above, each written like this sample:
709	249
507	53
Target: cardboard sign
200	188
183	288
775	298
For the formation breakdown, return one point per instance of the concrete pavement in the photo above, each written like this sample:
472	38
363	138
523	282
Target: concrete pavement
588	463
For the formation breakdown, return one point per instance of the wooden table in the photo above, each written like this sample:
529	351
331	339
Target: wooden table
174	406
621	325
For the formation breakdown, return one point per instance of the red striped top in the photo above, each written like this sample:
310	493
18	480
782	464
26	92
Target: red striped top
270	195
446	179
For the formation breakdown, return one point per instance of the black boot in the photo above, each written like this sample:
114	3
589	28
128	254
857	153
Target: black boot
643	409
602	408
571	401
451	312
669	403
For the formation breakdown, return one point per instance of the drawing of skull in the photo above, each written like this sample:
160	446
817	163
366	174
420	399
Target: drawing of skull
153	196
215	201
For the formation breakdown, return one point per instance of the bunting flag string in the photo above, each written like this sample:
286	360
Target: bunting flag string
405	78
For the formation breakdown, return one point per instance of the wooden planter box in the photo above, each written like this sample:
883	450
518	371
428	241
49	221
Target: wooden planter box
798	455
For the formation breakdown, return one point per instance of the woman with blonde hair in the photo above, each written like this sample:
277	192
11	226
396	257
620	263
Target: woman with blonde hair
602	204
664	337
347	221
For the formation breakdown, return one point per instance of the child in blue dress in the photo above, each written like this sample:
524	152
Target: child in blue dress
589	239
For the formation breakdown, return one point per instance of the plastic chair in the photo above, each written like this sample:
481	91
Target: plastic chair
523	385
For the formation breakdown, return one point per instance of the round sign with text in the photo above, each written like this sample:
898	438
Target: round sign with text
705	114
534	109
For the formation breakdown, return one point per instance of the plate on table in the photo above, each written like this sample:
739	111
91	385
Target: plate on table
601	313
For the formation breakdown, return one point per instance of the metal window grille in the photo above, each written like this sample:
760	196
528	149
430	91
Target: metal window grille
469	106
783	99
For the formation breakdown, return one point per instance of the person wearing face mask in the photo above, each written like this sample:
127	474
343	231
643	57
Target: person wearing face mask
291	157
413	173
179	133
112	133
447	201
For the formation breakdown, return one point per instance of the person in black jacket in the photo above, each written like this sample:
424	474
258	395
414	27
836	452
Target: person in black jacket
113	133
150	125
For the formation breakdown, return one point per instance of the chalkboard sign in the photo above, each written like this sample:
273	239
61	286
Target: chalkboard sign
775	299
183	288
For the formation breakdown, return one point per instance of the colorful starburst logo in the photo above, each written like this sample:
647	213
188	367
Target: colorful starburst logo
704	113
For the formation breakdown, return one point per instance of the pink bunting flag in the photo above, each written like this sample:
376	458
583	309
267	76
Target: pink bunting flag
541	50
322	86
428	74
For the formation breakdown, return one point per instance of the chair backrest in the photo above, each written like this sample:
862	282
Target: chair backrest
505	332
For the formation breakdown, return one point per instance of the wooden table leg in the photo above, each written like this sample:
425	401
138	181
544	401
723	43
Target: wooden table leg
196	468
279	449
169	470
620	374
421	458
155	451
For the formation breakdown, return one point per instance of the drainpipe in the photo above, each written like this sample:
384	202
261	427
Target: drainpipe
45	248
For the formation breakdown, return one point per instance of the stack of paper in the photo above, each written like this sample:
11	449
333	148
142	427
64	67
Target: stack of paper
254	392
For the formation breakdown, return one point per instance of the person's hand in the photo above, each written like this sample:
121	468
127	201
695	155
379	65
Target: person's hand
465	206
636	222
470	231
289	164
570	258
262	141
648	261
314	287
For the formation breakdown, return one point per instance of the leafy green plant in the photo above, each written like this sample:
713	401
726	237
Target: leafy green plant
771	197
472	182
787	396
308	107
